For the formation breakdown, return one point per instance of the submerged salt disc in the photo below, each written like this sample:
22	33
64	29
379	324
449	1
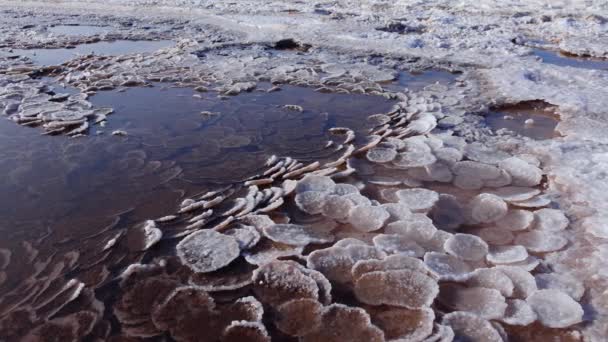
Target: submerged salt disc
563	282
446	266
540	241
524	283
467	182
496	236
407	288
507	254
207	250
491	278
487	208
555	309
466	247
518	312
418	199
484	302
345	189
516	193
397	211
470	327
368	218
475	169
522	173
311	202
315	183
296	235
550	219
412	159
516	220
381	155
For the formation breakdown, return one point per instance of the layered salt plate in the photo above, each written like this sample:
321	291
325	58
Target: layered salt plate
302	171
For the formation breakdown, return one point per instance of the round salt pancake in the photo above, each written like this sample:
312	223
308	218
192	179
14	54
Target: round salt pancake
207	250
540	241
522	173
410	159
470	327
296	235
337	207
491	278
417	227
487	208
516	220
496	236
516	193
550	219
524	283
398	244
447	267
535	202
401	324
418	199
519	312
397	211
466	247
563	282
381	155
405	288
555	309
475	169
484	302
366	218
280	281
343	323
507	254
311	202
239	331
315	183
299	317
467	182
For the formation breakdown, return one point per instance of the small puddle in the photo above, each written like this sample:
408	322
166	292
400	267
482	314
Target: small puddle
419	79
562	59
119	47
533	119
78	30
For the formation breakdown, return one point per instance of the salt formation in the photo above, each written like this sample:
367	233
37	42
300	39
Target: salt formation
555	309
207	250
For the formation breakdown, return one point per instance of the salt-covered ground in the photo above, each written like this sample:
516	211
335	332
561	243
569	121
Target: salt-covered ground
434	218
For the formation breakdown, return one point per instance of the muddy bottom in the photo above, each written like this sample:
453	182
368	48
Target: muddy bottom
418	80
78	30
119	47
561	59
534	119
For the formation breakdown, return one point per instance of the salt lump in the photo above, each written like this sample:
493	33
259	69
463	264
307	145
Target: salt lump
540	241
516	220
337	207
280	281
507	254
522	173
315	183
342	323
296	235
447	267
470	327
486	208
550	219
368	218
418	199
401	324
563	282
394	243
311	202
466	247
417	227
407	288
486	303
299	317
555	309
381	155
207	250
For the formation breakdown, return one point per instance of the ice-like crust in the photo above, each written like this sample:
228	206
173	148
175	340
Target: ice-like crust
563	282
407	288
315	183
484	302
337	207
523	282
207	250
299	317
381	155
447	267
344	323
280	281
555	309
466	247
519	312
516	220
401	324
491	278
487	208
418	199
541	241
470	327
296	235
417	227
398	244
507	254
311	202
522	173
367	218
550	219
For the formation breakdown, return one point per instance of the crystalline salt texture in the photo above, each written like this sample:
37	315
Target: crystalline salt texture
296	235
397	211
470	327
381	155
516	220
550	219
358	199
507	254
491	278
401	324
393	243
343	323
207	250
280	281
315	183
448	155
519	312
524	283
368	218
484	302
411	159
555	309
337	207
245	331
496	236
407	288
475	169
446	266
418	199
311	202
502	181
522	173
484	154
535	202
467	182
345	189
487	208
563	282
540	241
418	228
466	247
516	193
391	262
299	317
246	236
